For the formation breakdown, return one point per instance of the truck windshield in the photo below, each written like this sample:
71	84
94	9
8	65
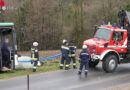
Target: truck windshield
102	33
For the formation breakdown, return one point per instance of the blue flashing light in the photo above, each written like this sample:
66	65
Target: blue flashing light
114	25
103	23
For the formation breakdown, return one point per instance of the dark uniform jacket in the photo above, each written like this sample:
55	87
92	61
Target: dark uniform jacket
5	49
72	51
65	50
34	53
84	56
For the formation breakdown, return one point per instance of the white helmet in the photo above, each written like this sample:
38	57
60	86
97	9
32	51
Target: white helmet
84	47
64	41
3	8
35	44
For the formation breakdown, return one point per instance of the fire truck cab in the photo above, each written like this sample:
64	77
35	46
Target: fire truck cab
110	45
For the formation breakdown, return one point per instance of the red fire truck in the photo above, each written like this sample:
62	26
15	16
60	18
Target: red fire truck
110	44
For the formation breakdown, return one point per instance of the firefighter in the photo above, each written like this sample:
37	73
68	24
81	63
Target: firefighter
122	16
116	36
84	58
34	55
72	51
64	58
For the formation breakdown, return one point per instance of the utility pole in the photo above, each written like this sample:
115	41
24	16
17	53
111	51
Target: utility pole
27	82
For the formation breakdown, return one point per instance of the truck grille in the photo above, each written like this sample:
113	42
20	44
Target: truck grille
91	49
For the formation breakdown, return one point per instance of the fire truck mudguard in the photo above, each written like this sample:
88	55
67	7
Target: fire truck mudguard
108	52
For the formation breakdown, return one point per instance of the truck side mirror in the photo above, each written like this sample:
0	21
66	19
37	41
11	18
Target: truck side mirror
116	43
106	44
23	32
95	29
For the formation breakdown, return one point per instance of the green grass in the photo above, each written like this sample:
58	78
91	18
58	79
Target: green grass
47	66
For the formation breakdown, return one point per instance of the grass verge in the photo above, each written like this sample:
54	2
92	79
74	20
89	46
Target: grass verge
48	66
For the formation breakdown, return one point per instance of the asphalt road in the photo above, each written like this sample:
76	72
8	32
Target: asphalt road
69	80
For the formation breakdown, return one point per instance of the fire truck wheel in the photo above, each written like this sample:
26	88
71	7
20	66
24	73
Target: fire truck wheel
93	64
110	63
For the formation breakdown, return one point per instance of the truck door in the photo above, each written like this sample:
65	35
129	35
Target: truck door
117	42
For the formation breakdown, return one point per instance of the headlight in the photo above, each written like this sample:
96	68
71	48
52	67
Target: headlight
94	50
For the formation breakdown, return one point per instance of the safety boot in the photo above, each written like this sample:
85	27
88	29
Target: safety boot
61	67
79	72
74	67
86	73
66	68
34	70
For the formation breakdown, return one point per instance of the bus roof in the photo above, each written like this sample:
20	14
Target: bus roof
6	24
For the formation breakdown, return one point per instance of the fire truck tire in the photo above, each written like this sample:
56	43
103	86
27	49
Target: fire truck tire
93	64
110	63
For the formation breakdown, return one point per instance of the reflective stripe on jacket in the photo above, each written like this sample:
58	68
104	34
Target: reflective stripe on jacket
72	51
65	49
34	53
84	56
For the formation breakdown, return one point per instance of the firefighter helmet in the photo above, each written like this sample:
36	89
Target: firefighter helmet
84	47
35	44
64	41
3	8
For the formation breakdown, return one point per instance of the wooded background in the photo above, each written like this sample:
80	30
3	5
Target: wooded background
50	21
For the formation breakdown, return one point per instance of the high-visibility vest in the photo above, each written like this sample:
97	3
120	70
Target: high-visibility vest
72	51
65	49
34	54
